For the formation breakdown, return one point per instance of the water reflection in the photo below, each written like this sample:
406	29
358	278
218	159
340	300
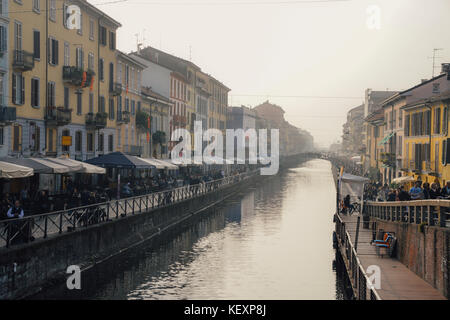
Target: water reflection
271	242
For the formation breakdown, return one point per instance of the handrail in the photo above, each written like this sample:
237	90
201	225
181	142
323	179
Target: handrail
360	281
430	212
19	230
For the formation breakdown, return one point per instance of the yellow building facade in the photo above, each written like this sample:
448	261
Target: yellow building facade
62	79
426	140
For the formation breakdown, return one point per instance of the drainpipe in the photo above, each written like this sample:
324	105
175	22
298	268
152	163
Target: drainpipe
46	74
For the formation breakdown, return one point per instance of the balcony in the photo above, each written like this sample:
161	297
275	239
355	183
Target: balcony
7	115
115	89
23	60
123	117
78	77
58	116
135	151
96	121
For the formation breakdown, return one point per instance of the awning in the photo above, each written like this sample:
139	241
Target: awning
387	138
120	160
13	171
166	164
403	180
88	168
55	167
29	163
39	165
73	166
157	164
178	162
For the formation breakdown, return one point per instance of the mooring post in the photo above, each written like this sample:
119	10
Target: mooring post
357	233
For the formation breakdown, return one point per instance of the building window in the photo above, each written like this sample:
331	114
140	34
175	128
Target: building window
3	39
2	136
78	141
133	107
101	104
91	102
437	121
66	98
18	89
53	51
17	139
436	87
51	92
80	58
101	68
50	138
37	6
91	61
37	44
112	40
35	92
80	30
79	103
18	35
119	137
66	54
102	35
101	142
111	109
110	143
52	15
91	29
90	142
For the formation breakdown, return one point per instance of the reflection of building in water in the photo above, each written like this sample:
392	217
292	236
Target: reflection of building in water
248	205
233	213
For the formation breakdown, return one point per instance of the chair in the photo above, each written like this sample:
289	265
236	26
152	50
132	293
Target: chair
388	244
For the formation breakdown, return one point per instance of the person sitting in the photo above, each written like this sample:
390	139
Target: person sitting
15	211
347	204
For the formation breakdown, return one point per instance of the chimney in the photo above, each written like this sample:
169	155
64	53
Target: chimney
446	68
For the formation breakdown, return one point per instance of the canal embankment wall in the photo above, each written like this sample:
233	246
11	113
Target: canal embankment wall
425	250
29	268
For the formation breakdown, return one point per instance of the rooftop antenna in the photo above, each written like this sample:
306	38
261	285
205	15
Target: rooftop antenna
435	50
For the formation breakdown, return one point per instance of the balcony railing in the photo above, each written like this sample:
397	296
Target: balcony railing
96	120
135	151
23	60
115	88
78	77
123	117
7	115
58	116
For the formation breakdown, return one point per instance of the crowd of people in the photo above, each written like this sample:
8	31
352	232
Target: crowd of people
420	191
80	194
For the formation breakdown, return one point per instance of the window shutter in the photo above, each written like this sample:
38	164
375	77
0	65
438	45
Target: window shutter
14	88
447	154
22	95
37	44
56	53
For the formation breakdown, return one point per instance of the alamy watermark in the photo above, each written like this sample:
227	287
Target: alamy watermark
74	280
373	17
73	17
253	141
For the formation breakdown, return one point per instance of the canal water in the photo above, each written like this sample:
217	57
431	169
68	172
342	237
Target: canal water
273	241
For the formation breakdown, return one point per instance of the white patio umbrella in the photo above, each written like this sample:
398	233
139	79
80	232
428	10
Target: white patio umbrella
14	171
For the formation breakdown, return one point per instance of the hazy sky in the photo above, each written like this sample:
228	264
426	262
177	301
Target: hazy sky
313	59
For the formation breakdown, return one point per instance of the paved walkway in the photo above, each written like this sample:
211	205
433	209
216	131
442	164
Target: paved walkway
397	281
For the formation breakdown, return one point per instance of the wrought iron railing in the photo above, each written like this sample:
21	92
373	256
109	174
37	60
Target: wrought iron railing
17	231
363	289
23	60
429	212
